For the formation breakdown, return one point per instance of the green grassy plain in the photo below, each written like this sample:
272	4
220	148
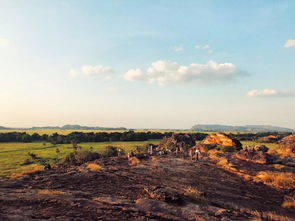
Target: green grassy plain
13	155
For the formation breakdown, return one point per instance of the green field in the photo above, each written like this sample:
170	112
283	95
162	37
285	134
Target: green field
13	155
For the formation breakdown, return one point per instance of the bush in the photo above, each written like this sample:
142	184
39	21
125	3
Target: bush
27	162
226	149
79	157
284	180
110	151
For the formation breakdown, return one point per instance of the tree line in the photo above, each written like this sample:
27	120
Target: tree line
79	137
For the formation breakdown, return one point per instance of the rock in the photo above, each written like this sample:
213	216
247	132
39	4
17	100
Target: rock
269	139
252	155
177	142
262	148
220	139
164	194
288	143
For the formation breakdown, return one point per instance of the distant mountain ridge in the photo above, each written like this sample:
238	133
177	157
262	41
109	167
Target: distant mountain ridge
68	127
246	128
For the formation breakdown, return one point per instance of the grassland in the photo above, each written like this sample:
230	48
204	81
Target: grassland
13	155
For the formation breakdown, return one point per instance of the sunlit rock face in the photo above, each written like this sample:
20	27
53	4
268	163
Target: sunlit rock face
222	140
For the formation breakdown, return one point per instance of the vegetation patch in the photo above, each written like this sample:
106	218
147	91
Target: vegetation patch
79	157
283	180
94	167
133	161
289	202
50	192
25	170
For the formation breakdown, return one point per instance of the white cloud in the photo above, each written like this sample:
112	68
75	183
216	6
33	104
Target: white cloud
177	48
4	42
166	72
73	73
204	47
89	70
290	43
268	93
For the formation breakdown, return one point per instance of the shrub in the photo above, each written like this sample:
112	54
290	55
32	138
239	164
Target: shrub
284	180
27	162
94	167
50	192
32	155
195	195
133	161
79	157
226	149
289	202
25	170
110	151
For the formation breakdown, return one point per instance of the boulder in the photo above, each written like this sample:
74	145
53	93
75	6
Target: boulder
262	148
253	155
269	139
288	143
164	194
177	142
221	139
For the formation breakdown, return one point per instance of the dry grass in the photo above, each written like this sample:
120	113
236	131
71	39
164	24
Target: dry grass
289	202
154	158
278	166
50	192
25	170
195	195
284	180
94	167
133	161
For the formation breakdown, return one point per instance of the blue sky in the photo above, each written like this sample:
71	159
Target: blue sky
147	64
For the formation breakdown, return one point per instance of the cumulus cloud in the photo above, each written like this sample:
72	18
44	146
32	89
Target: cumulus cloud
4	42
89	70
205	47
290	43
166	72
177	48
268	93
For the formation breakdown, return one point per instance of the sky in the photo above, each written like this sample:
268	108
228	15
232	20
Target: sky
147	64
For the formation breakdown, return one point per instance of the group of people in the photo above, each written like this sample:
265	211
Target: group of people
194	152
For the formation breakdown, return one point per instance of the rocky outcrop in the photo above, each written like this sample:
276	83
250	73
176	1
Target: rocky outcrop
269	139
220	139
256	154
288	143
177	142
165	194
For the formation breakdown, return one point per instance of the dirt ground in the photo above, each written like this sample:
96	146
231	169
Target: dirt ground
116	192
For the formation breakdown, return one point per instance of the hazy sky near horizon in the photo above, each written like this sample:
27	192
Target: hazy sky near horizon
147	64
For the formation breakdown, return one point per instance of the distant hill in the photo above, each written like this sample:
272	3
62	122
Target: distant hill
246	128
67	127
79	127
